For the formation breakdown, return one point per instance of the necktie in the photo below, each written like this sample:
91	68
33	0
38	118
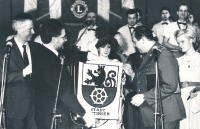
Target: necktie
164	23
182	23
91	29
25	57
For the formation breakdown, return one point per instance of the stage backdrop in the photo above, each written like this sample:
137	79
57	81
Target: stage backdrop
112	12
73	12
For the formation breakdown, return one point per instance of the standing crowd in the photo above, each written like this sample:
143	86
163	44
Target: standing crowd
166	55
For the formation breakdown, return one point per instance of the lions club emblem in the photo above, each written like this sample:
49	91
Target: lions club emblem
79	8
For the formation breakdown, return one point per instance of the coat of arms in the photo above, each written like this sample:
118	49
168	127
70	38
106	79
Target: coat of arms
99	88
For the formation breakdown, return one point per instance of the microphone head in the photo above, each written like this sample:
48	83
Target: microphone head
89	22
9	44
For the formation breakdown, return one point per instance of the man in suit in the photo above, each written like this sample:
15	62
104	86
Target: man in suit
169	40
19	92
128	29
46	73
145	75
158	28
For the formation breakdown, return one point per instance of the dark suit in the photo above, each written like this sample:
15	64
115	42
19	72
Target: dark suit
19	91
46	71
168	78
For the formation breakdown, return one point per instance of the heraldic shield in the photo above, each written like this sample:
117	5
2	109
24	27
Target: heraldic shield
99	88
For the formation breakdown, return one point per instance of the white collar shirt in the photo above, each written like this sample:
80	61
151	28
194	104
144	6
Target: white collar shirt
21	49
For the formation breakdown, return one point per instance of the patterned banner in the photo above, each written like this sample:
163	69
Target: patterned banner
99	89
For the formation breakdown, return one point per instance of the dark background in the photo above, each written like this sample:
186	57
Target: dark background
150	10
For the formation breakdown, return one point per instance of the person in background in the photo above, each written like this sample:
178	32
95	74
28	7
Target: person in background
168	35
145	75
127	31
189	74
192	21
86	37
122	47
19	92
159	28
139	12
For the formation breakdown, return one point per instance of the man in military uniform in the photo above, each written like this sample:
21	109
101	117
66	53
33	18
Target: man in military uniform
146	77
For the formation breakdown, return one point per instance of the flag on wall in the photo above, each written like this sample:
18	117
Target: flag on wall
74	11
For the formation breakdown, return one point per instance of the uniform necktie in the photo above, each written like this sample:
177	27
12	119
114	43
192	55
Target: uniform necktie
25	56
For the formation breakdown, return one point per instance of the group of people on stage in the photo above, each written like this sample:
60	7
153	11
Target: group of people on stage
167	54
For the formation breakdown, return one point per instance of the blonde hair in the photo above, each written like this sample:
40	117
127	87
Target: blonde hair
16	25
19	21
188	32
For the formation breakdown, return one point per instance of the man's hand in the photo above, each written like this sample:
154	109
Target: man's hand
27	70
137	100
128	70
89	119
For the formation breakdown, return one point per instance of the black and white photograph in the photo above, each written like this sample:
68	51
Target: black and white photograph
100	64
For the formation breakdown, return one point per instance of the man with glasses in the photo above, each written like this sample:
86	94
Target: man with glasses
46	73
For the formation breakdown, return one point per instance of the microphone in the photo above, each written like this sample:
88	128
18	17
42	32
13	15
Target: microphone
62	57
155	52
8	47
89	22
191	93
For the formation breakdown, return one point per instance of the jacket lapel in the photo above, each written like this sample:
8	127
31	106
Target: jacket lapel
16	55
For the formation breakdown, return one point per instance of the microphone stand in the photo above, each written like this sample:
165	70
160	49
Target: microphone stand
158	115
80	36
3	84
55	115
88	24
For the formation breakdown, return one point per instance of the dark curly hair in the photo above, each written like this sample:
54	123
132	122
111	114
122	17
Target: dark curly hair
101	31
51	28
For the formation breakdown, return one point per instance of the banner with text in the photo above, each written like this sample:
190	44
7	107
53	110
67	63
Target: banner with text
99	89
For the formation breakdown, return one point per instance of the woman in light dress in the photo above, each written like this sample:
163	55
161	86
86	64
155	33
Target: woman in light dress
105	48
189	73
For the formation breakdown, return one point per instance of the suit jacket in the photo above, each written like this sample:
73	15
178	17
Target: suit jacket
168	79
19	92
46	72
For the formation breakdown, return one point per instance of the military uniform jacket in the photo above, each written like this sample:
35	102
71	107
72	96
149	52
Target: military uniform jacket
168	78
